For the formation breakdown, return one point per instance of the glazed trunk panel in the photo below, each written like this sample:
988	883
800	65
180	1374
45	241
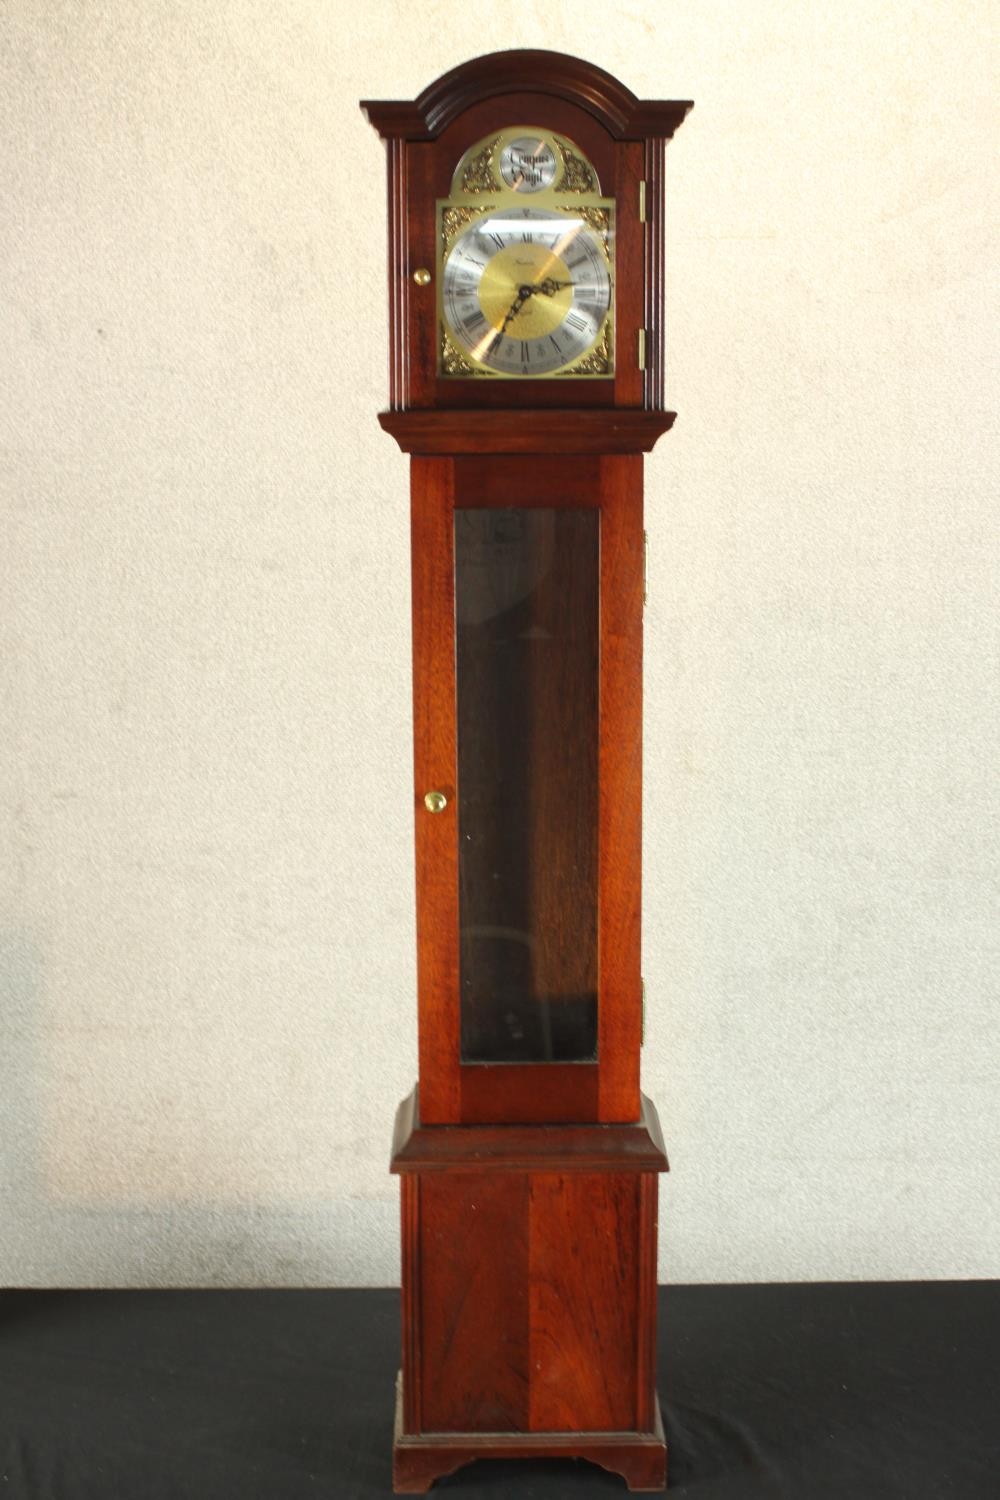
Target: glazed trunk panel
527	630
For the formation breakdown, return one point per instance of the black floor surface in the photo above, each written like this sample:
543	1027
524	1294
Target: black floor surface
803	1392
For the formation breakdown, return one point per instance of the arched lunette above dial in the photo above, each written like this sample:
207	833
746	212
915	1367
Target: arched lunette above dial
524	159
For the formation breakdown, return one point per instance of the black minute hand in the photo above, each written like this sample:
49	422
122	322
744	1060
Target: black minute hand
515	308
523	293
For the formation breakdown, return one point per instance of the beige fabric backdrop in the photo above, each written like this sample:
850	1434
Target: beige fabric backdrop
205	861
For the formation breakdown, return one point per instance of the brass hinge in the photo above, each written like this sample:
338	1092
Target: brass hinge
642	202
642	349
642	1034
645	568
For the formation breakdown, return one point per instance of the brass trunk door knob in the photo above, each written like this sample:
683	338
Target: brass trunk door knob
435	802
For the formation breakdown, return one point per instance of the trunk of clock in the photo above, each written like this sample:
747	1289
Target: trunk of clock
527	667
529	1296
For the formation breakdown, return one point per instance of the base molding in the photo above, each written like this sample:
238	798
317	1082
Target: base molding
419	1459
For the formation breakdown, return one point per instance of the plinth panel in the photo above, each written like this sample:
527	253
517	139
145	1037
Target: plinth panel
474	1303
583	1234
531	1292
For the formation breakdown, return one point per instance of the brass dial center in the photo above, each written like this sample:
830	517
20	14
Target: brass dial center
521	269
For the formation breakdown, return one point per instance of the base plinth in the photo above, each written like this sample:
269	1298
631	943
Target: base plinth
528	1297
418	1460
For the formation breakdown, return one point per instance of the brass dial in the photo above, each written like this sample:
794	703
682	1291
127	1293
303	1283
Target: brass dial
527	292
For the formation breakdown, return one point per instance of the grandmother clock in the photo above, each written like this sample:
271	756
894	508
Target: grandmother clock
526	244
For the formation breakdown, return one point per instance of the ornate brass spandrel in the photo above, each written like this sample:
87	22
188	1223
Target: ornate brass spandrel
578	175
598	361
453	361
480	175
599	219
458	217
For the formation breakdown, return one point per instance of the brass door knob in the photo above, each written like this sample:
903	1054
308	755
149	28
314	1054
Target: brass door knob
435	802
422	276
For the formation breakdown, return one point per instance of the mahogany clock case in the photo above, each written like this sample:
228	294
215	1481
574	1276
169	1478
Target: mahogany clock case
528	1158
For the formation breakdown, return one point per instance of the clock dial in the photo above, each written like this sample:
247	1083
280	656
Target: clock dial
527	164
526	291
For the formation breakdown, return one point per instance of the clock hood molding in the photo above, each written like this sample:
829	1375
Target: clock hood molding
531	71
